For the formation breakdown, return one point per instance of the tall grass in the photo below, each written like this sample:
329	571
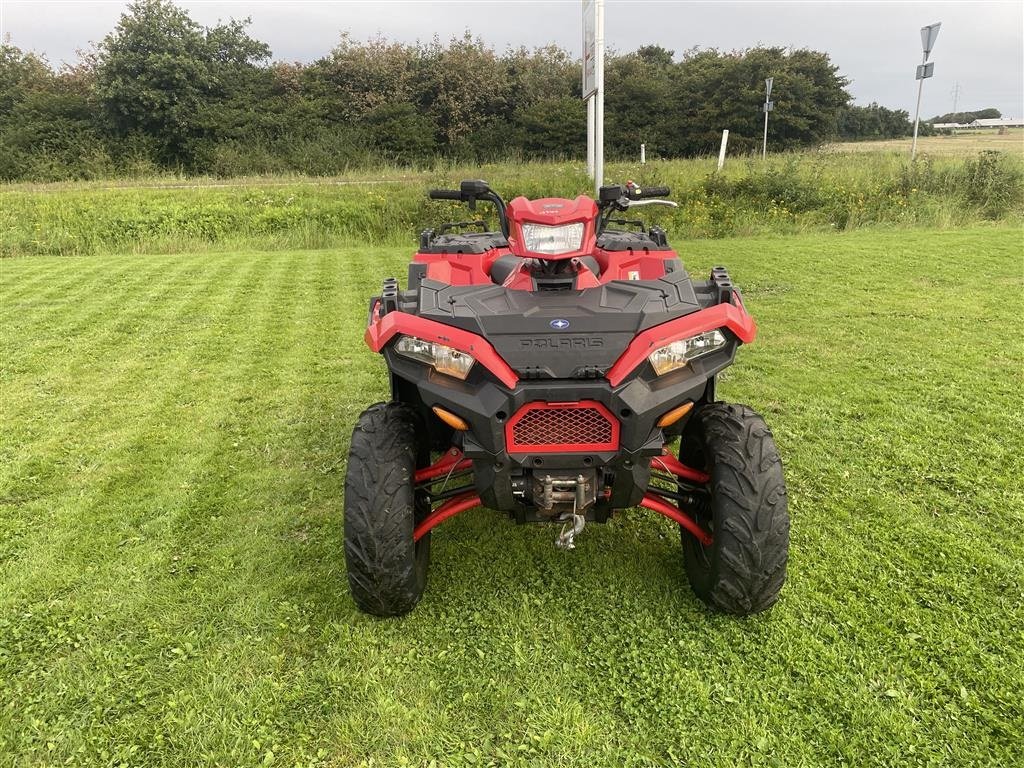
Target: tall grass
786	194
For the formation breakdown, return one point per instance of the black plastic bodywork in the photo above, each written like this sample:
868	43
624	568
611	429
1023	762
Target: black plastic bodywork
561	344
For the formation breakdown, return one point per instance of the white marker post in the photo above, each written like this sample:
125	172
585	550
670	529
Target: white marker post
643	154
769	105
924	71
721	151
593	87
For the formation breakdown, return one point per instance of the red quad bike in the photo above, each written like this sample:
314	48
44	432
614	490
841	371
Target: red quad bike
543	370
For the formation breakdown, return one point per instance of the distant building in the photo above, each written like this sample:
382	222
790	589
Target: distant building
985	122
997	122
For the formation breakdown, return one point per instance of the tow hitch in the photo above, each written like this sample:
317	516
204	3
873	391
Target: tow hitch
577	518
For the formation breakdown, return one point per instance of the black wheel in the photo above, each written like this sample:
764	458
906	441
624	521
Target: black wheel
743	570
387	570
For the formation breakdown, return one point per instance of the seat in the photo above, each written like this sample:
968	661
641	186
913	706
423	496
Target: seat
503	266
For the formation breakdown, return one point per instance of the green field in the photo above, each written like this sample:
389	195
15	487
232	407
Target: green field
960	143
173	591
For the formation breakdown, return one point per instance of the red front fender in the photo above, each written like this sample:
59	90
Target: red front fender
382	329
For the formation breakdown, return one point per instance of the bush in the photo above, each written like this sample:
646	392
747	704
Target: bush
993	183
790	194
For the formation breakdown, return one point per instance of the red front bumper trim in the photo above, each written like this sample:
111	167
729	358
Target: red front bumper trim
662	507
450	508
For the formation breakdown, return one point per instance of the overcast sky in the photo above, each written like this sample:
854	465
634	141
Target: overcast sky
875	44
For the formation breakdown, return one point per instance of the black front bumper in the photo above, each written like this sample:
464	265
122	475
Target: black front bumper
486	405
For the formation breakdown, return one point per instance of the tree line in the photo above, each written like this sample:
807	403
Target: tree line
967	117
161	92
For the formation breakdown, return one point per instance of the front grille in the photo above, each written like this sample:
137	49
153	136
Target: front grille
583	426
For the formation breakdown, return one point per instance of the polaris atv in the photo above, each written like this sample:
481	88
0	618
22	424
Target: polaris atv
543	370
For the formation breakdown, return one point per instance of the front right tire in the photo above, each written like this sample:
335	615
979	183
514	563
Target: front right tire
744	568
387	570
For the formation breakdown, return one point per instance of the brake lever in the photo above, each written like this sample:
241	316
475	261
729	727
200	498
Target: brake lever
636	203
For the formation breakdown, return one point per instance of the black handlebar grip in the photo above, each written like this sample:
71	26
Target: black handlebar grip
655	192
444	194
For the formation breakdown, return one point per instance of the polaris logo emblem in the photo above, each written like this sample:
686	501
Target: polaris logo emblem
562	343
559	325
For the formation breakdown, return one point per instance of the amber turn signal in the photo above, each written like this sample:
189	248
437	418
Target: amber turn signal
672	416
450	419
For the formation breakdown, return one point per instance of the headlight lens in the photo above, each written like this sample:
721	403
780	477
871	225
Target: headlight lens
539	238
673	356
452	362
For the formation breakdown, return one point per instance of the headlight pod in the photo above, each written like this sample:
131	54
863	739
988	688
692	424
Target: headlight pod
452	362
539	238
676	355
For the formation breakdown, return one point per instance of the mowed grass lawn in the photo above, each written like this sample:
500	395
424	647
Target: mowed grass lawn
173	590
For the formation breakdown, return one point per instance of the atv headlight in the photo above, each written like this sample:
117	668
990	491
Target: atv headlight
539	238
453	362
677	354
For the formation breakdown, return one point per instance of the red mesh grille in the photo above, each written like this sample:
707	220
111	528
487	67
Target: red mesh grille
582	426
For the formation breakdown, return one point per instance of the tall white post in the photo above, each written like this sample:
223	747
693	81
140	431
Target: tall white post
590	137
643	154
721	152
599	105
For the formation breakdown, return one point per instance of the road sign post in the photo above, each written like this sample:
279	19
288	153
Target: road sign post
590	138
769	105
593	87
924	70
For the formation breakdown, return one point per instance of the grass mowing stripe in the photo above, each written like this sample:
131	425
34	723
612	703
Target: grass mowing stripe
235	525
154	563
124	421
56	331
71	275
136	576
85	379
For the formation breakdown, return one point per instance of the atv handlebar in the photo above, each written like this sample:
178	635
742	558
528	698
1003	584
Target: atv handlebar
619	197
445	194
669	203
469	192
610	199
643	193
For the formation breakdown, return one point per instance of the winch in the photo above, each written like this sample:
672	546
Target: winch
555	492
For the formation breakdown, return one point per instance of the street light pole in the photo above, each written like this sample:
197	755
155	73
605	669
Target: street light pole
924	71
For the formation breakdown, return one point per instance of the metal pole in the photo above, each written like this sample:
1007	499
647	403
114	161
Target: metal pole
599	106
590	137
764	147
917	112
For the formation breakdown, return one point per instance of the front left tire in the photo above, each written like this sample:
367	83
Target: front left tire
387	570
